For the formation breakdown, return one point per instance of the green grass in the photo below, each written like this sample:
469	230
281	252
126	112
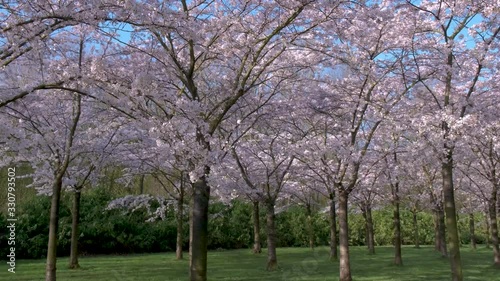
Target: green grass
295	264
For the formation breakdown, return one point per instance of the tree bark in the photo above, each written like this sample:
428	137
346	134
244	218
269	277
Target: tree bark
141	184
180	224
257	248
333	229
443	248
488	230
437	234
451	216
363	213
50	270
441	232
398	259
439	224
272	260
416	234
494	229
73	259
472	231
199	230
370	230
345	265
310	227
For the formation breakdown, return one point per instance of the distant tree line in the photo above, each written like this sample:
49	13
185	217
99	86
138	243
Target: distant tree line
110	232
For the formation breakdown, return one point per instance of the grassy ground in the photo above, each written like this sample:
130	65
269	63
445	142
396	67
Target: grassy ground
295	264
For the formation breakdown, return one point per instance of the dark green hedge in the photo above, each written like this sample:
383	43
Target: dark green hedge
230	227
101	231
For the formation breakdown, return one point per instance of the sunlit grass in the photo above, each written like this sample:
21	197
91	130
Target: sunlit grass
295	264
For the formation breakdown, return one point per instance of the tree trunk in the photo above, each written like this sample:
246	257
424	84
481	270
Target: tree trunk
437	233
488	230
141	184
451	216
50	270
333	229
416	234
180	224
363	213
442	232
199	230
439	225
472	231
398	259
73	259
370	230
257	248
345	265
494	229
272	260
310	227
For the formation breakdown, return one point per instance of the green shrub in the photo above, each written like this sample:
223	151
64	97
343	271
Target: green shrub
230	227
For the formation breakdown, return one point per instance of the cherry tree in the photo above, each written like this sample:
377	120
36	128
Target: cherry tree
305	190
94	149
48	142
365	196
478	167
423	150
316	171
49	136
264	161
441	51
178	71
175	48
367	45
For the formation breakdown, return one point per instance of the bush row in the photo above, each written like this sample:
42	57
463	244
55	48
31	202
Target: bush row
230	227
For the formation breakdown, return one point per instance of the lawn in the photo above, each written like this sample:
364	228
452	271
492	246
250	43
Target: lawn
295	264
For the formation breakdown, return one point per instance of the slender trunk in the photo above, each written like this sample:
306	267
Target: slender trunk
451	216
437	234
333	229
494	229
141	184
442	233
73	259
180	224
488	230
310	227
447	175
363	213
50	270
398	259
371	231
416	234
272	260
257	248
439	228
345	265
472	231
199	230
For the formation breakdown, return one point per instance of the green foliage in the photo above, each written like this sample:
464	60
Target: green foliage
4	235
383	226
480	228
292	229
101	231
230	227
32	228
